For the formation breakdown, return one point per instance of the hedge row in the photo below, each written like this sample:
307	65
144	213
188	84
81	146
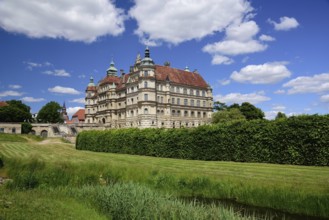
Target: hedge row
302	140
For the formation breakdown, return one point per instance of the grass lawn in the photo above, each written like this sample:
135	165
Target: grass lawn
296	189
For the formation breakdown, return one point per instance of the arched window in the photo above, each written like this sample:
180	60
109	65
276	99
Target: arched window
146	97
146	111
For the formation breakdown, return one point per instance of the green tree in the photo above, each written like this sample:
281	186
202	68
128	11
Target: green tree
281	116
235	105
15	111
50	113
228	115
219	106
26	128
251	112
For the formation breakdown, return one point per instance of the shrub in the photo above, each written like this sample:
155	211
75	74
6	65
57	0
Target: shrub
26	128
301	140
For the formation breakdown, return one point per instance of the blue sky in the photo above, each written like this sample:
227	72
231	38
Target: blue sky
273	54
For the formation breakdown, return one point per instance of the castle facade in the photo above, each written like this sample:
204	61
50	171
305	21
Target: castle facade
149	95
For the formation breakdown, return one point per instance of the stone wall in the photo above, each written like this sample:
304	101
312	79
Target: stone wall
10	128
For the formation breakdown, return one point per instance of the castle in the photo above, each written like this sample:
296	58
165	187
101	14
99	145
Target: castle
149	95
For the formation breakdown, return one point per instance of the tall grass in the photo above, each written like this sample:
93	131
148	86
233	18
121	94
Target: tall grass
296	189
133	201
35	173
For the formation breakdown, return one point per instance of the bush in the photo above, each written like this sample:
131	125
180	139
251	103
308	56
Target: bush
301	140
26	128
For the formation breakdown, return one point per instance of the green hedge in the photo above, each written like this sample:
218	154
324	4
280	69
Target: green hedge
301	140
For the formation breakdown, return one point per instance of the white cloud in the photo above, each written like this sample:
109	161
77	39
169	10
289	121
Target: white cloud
80	100
280	91
285	24
279	108
60	72
253	98
324	98
31	99
219	59
242	32
10	93
233	47
270	115
239	39
224	82
245	59
15	86
264	37
32	65
266	73
82	76
76	20
63	90
308	84
72	110
175	21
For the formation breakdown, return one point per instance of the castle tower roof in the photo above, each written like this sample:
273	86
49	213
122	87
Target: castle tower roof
147	61
112	71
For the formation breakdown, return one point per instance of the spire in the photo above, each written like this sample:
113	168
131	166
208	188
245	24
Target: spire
112	71
91	82
138	59
147	61
147	52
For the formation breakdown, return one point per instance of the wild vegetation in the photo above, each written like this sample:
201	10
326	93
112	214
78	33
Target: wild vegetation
301	140
88	180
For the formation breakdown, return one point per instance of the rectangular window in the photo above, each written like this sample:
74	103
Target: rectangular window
177	89
203	93
161	99
197	92
146	97
185	101
204	103
173	101
185	91
178	101
158	99
198	103
192	102
146	73
191	92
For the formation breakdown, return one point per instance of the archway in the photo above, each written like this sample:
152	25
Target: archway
33	132
103	120
44	133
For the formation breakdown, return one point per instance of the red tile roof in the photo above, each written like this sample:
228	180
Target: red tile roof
91	88
110	79
178	76
80	114
162	73
3	104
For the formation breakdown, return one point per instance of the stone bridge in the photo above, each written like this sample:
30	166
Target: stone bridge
62	130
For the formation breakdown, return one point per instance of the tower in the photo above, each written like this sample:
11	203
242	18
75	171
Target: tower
64	113
147	95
